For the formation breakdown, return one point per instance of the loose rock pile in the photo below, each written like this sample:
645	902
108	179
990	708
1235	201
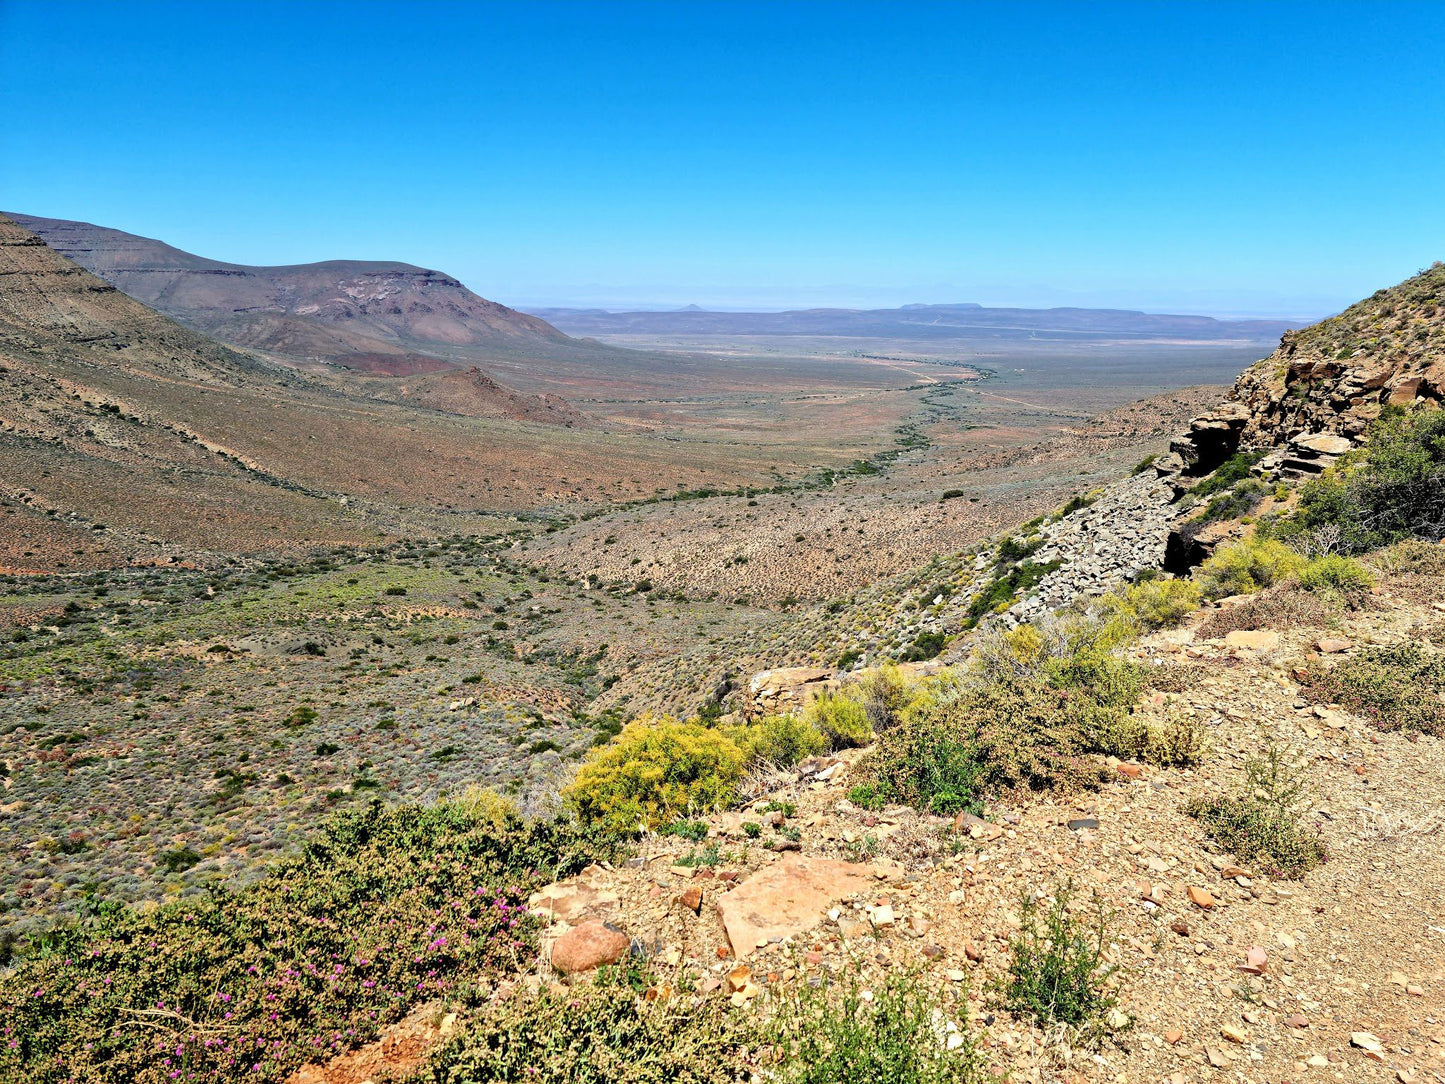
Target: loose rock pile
1114	539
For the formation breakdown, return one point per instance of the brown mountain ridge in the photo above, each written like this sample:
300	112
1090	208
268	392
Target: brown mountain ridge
359	314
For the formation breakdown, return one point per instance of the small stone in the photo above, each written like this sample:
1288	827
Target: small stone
1317	1061
883	916
1081	823
972	951
933	952
738	978
691	898
1180	927
1367	1042
1330	645
1295	1020
1234	1034
1216	1057
1256	960
1131	771
1201	897
1253	639
1172	1036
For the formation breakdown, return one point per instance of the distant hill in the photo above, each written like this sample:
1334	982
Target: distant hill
962	321
357	313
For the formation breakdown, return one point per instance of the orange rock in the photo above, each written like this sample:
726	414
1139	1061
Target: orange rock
589	946
785	899
691	898
1173	1036
1201	897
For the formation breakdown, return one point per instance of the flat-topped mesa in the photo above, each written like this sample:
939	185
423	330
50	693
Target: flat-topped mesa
1316	395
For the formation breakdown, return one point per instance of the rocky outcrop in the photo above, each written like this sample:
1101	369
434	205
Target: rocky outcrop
1333	378
1210	440
786	689
1306	454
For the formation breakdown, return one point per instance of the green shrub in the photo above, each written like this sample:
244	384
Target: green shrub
485	805
869	796
780	739
603	1033
1395	491
1397	686
1006	587
1248	565
1177	740
1153	604
1336	573
1233	470
1261	823
883	692
985	739
842	721
655	770
1235	503
1057	973
892	1031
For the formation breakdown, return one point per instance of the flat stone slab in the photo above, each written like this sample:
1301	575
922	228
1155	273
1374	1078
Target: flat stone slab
1253	639
573	900
785	899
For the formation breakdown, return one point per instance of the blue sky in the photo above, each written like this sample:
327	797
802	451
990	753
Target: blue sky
1224	158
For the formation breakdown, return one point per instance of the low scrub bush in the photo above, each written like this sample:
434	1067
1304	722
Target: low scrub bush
1057	974
1337	574
604	1033
1153	604
1176	740
841	720
1235	503
654	771
382	910
1396	490
1006	587
893	1031
1396	686
1036	708
884	694
1227	475
983	739
779	739
485	805
1285	607
1246	566
1261	823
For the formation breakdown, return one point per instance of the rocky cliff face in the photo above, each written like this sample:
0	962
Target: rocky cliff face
1332	380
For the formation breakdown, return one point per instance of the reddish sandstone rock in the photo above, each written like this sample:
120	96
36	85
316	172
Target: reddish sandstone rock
785	899
589	946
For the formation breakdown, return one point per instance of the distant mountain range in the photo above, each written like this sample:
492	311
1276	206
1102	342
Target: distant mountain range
931	322
383	318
